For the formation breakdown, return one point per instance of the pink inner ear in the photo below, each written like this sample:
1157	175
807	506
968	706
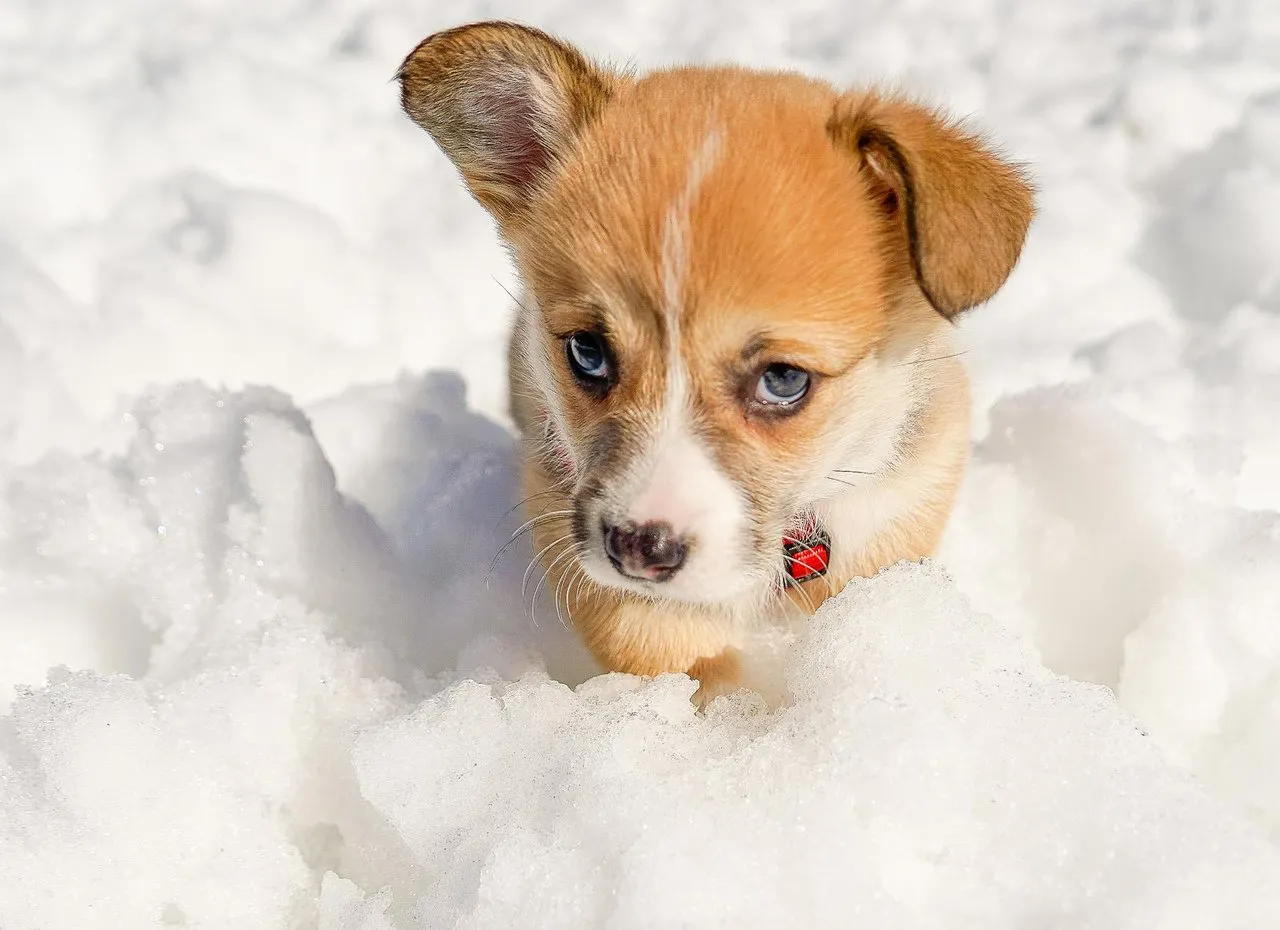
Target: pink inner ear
517	131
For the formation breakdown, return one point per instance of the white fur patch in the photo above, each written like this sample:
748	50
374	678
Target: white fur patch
679	481
542	375
858	507
675	233
681	484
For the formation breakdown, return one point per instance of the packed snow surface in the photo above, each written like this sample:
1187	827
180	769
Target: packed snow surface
257	673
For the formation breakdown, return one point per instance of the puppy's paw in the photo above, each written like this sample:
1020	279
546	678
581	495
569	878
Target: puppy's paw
716	675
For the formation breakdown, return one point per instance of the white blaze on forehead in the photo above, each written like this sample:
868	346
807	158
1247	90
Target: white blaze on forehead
678	479
675	267
675	233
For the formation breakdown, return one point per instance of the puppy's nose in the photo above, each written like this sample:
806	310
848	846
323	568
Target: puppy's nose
650	550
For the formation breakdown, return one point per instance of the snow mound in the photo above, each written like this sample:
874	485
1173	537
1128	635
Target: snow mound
929	773
297	739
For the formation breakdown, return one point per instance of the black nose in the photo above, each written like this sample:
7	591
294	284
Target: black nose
651	550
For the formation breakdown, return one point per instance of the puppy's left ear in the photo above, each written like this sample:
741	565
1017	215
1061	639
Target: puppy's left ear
505	103
960	212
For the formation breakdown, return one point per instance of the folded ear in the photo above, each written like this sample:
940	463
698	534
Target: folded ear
504	102
963	212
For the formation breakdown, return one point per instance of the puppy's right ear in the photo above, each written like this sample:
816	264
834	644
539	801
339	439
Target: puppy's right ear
505	103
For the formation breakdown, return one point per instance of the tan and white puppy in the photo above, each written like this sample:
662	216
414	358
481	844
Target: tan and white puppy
732	364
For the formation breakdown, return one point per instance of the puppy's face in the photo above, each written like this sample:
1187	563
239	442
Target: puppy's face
726	274
710	285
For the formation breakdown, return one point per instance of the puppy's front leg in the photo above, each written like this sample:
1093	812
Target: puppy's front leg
649	637
716	675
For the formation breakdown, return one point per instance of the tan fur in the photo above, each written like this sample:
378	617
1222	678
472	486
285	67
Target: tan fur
712	221
967	212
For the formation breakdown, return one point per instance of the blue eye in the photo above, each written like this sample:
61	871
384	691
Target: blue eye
782	385
588	357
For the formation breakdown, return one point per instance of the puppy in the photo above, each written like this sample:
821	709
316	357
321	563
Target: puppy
732	365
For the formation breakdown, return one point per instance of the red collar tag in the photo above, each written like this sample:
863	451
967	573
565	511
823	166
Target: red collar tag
808	553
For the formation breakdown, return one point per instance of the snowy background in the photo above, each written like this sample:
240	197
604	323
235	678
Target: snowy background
254	465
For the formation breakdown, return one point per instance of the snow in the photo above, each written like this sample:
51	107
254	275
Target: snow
256	670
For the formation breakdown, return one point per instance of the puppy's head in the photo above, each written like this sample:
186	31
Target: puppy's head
725	273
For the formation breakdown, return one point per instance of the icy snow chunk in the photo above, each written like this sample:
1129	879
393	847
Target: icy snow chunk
928	772
1123	556
34	318
343	906
214	798
1065	523
1201	672
124	817
1174	110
